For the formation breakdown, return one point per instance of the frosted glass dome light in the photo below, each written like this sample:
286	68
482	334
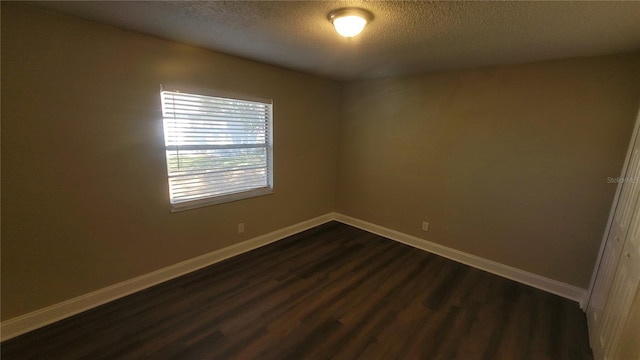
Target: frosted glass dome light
351	21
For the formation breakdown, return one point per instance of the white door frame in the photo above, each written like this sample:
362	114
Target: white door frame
584	304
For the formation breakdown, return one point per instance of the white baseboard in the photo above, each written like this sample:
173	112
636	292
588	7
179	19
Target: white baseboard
39	318
549	285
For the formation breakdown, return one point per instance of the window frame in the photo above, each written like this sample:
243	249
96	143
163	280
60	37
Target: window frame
228	197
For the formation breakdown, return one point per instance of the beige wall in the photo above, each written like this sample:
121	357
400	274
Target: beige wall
84	188
508	163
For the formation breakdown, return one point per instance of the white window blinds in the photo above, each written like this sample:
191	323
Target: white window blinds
218	149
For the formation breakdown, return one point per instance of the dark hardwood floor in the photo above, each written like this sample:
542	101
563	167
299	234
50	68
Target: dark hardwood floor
330	292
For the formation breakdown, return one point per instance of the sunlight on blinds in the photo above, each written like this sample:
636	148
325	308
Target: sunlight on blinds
217	148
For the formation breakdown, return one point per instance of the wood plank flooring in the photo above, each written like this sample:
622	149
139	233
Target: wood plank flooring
332	292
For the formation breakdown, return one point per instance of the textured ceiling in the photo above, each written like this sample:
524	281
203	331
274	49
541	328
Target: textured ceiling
404	37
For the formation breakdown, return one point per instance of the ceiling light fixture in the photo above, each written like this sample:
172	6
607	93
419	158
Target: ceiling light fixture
349	22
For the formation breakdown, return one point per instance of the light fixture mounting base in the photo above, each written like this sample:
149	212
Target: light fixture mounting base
350	11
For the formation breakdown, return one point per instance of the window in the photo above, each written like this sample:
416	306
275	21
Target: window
218	149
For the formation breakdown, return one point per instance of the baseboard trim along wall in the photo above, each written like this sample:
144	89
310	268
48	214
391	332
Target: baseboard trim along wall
549	285
39	318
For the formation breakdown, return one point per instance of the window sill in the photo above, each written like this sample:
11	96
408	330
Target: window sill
189	205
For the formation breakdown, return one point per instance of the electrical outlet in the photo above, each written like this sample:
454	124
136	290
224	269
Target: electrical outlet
240	228
425	226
